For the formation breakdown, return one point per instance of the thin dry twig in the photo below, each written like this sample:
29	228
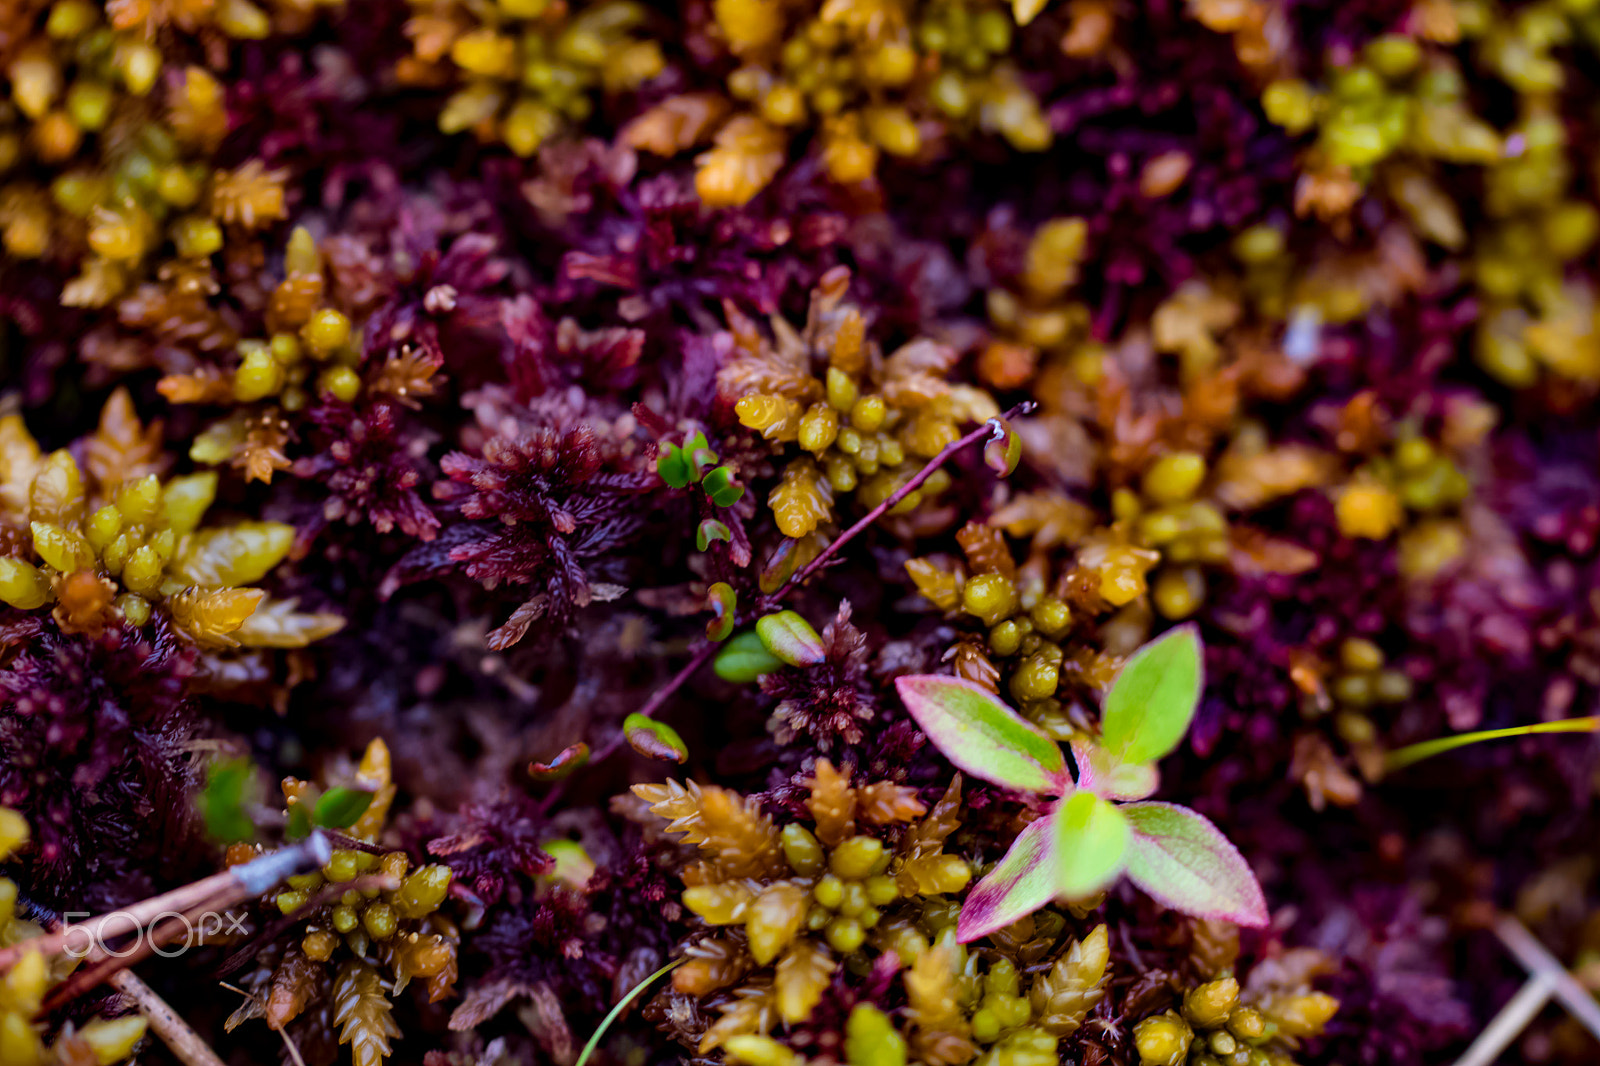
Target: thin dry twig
217	892
165	1022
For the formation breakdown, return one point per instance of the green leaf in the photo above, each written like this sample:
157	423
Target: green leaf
673	467
1022	882
722	488
698	455
791	639
744	658
653	739
222	801
724	603
299	826
1091	845
1153	698
710	530
338	808
1107	778
1183	861
983	736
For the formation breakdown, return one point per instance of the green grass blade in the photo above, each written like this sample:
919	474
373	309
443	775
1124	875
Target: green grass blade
1400	758
622	1005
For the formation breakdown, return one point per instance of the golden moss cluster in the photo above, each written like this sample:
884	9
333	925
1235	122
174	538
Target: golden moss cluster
1399	110
871	79
527	69
128	147
1027	621
793	905
313	350
23	987
863	423
1218	1024
111	541
370	941
874	78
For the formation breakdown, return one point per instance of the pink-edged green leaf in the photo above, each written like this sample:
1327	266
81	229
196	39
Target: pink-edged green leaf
1020	884
1099	773
983	736
1091	845
1184	862
1153	698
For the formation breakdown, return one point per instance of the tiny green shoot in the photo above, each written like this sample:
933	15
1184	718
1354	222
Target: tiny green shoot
622	1005
1400	758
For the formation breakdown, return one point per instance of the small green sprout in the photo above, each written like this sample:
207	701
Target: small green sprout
1086	841
1401	758
724	603
711	530
682	467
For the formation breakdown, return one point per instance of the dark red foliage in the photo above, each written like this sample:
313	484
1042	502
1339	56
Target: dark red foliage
493	843
541	355
579	948
93	751
372	468
1397	1004
649	247
826	703
550	503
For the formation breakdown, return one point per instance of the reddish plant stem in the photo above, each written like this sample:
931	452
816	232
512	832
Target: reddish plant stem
652	705
768	602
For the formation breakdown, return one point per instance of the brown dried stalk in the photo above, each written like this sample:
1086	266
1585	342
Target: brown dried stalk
217	892
165	1022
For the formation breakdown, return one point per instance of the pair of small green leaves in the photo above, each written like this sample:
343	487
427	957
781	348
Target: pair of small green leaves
685	466
1085	841
780	639
231	788
337	808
